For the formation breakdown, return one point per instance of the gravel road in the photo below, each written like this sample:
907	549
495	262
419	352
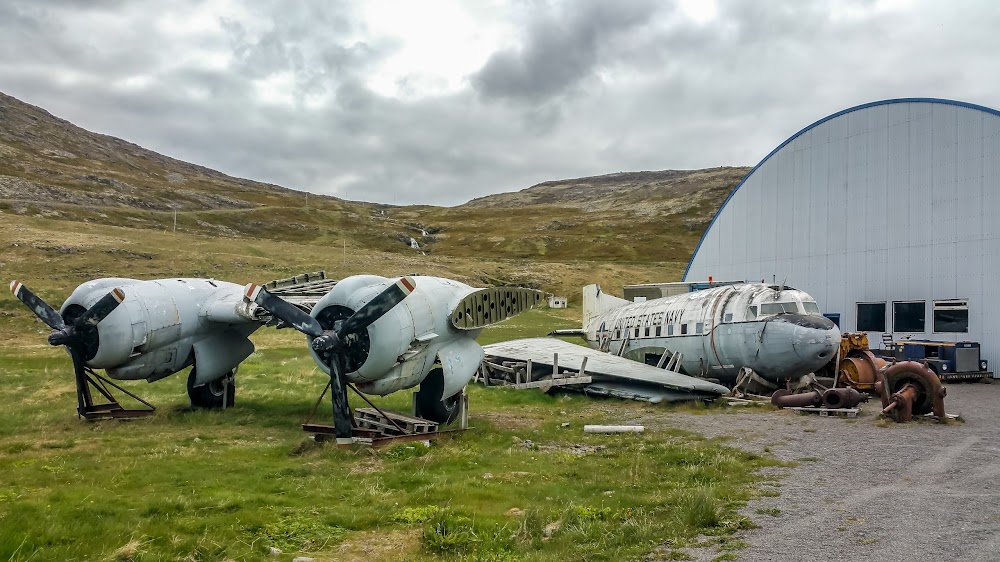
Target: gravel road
864	490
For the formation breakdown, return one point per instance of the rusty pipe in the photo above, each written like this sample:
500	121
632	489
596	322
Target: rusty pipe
843	398
785	399
902	403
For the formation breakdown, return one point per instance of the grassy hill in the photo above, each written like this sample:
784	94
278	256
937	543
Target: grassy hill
51	168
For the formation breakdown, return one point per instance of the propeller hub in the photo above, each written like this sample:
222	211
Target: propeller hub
326	342
62	337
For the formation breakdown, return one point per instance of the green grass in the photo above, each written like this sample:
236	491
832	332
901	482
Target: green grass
229	485
199	485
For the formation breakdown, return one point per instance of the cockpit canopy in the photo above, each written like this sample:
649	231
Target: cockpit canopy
763	310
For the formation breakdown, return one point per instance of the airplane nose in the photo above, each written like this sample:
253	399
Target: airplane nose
815	338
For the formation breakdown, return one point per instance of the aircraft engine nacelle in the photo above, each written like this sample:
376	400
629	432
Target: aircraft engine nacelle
400	348
150	336
111	342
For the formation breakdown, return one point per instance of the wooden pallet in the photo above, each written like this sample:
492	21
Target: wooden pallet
828	412
370	418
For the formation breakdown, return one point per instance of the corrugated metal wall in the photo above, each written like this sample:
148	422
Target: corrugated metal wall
890	201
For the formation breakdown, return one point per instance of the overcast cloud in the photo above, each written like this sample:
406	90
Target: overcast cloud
439	102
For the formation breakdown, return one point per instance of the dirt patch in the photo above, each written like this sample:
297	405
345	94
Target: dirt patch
379	545
577	449
511	420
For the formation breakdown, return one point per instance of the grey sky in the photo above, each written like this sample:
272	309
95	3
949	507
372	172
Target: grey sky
439	102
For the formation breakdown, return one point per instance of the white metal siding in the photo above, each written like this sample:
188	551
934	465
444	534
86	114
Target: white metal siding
890	202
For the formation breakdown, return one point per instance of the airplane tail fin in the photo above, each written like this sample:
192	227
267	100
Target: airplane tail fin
597	302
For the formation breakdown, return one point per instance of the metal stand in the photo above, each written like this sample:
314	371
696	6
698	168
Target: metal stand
87	379
376	427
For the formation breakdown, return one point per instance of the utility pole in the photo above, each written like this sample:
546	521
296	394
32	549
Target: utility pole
175	221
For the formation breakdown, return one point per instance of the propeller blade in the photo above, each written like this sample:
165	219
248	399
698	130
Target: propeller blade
284	310
101	309
41	309
378	306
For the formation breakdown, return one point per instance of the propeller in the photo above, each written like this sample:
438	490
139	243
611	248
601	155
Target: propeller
332	340
332	345
78	334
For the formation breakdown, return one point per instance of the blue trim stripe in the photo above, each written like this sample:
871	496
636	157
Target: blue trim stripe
820	122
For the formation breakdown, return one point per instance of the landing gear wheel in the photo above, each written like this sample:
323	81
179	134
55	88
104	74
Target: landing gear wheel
220	393
429	403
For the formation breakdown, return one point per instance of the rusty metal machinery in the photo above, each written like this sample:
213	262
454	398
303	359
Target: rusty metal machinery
843	398
858	366
830	398
911	389
786	399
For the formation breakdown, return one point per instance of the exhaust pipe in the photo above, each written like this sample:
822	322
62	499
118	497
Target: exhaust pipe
843	398
785	399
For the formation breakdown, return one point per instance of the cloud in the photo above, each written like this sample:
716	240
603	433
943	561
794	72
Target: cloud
563	46
315	97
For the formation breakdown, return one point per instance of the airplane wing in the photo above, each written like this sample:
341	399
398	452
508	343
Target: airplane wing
611	375
482	307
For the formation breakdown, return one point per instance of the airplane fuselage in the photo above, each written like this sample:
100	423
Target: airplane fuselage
778	332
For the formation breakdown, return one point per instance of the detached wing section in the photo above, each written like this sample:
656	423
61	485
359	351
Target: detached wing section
483	307
611	375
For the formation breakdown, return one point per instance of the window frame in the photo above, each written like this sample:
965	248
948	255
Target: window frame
959	304
857	315
896	329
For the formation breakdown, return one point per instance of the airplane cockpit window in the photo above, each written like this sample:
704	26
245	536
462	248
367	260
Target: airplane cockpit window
752	312
811	307
769	308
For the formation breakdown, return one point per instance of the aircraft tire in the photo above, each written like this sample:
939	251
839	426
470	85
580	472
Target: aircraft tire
430	405
210	395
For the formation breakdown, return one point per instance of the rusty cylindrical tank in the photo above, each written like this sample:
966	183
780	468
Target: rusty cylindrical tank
860	369
911	389
785	399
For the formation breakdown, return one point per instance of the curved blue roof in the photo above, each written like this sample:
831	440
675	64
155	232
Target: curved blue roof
821	121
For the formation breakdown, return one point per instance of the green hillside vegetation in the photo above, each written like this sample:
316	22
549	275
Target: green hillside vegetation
51	168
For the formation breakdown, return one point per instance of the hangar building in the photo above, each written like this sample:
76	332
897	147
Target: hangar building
888	213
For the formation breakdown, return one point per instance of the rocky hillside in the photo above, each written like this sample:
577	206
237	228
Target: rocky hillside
47	159
53	169
643	193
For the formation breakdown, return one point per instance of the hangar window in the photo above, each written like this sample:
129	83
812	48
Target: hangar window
871	317
951	315
909	316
